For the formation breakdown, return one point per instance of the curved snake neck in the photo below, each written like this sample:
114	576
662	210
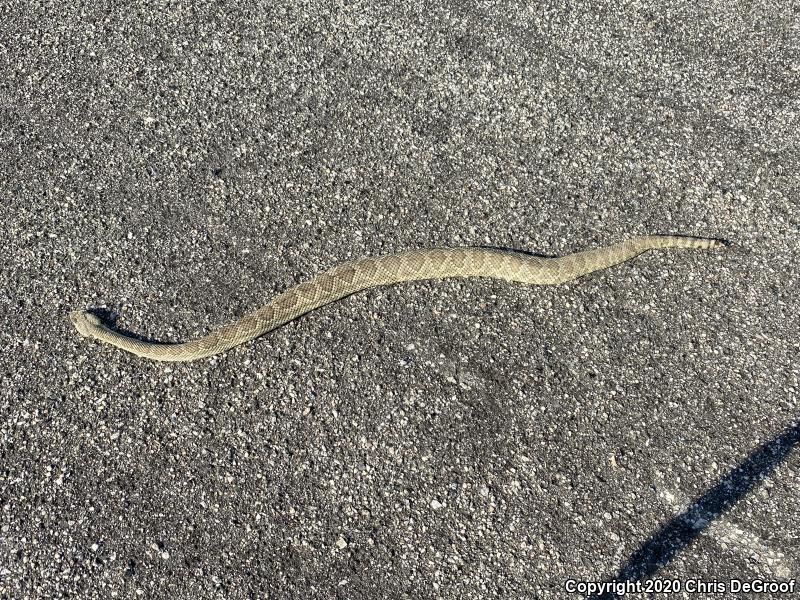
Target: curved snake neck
347	278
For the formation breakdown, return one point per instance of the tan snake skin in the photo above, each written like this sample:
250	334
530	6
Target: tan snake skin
415	265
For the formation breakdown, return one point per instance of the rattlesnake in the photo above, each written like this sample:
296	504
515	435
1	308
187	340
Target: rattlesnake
350	277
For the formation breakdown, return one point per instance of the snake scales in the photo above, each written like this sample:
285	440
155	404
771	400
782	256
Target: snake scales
347	278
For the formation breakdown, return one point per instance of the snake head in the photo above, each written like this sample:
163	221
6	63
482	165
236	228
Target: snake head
84	322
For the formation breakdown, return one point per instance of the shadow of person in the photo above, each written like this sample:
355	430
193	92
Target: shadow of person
673	537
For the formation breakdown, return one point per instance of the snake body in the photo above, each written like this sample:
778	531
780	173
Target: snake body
348	278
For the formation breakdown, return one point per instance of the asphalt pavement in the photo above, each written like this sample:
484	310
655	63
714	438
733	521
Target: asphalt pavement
176	164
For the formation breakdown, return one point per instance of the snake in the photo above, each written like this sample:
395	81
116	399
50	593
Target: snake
414	265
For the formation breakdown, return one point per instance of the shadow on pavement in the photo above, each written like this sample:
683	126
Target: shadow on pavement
673	537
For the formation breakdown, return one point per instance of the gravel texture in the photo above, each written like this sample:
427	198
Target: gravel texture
177	163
